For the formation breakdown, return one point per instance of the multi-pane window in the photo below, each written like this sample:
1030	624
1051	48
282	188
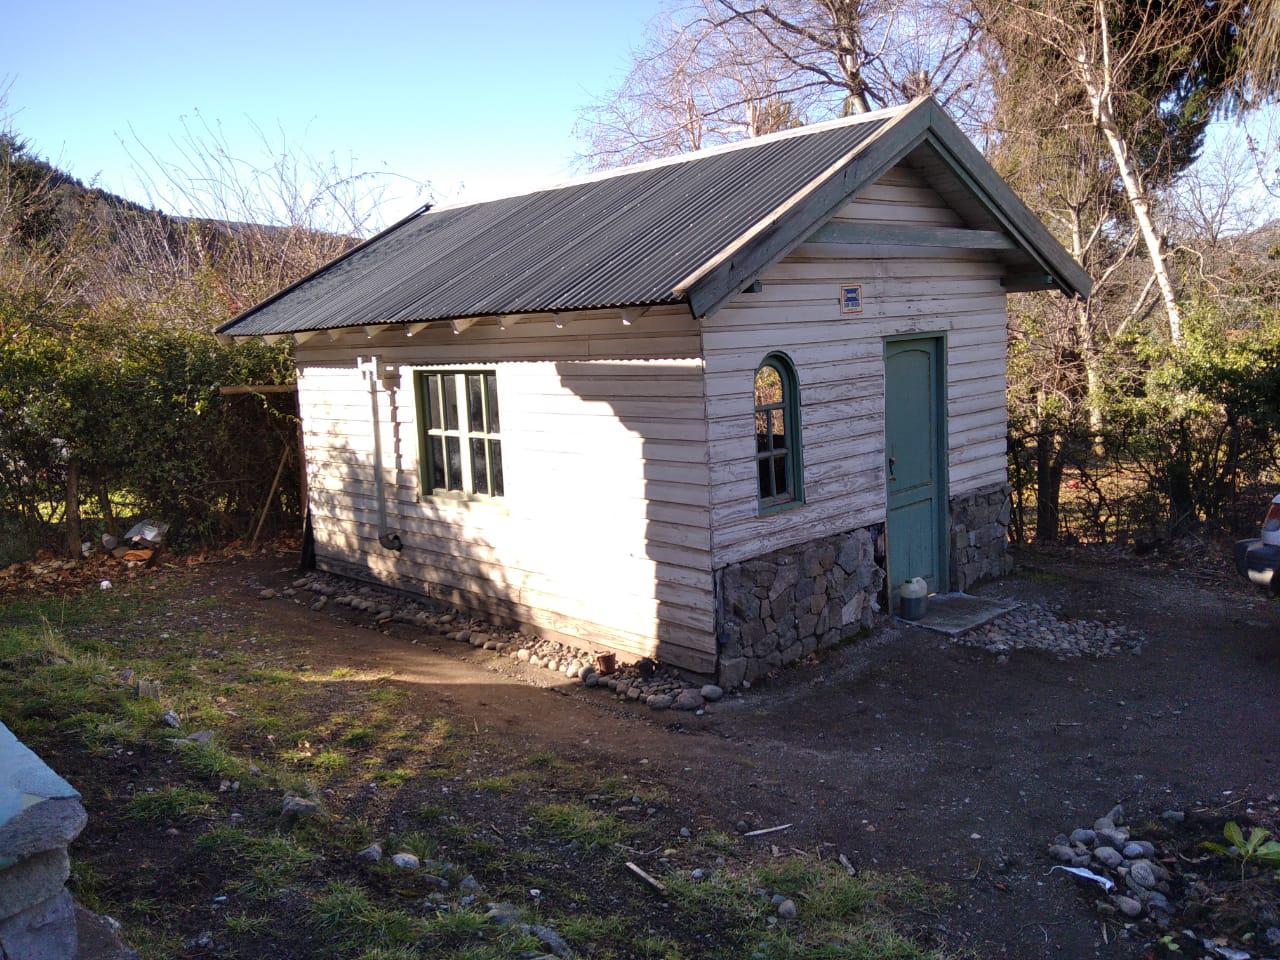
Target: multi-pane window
460	432
777	432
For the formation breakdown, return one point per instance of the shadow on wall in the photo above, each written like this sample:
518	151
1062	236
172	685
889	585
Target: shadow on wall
603	535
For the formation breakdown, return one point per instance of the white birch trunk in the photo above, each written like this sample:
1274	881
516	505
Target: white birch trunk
1099	92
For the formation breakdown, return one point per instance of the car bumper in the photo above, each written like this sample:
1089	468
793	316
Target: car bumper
1259	562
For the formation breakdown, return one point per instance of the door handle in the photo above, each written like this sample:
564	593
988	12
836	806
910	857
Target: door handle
892	461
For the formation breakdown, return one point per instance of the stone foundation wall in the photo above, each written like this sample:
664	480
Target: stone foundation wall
979	536
774	609
40	814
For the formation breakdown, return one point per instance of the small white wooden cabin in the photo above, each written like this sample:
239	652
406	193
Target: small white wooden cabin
704	409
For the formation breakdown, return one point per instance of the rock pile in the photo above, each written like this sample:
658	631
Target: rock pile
1109	851
1189	896
656	686
1037	627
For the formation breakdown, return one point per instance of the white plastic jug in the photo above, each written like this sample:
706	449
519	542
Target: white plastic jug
913	598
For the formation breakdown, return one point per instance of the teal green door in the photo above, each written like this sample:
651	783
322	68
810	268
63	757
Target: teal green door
914	472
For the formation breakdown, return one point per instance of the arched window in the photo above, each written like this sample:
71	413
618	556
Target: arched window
778	465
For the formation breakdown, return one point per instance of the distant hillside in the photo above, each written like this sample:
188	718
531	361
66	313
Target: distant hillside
57	201
179	266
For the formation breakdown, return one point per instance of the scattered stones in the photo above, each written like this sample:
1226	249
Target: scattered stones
1036	627
171	719
295	807
1109	856
787	910
1165	883
689	699
1113	837
550	939
647	681
503	914
1127	905
405	861
469	885
370	854
200	736
266	593
1173	816
1062	853
1142	873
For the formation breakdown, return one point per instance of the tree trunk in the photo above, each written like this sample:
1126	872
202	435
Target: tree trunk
1178	471
106	509
73	508
1048	486
1099	91
844	17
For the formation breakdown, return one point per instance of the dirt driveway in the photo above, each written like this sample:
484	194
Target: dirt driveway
908	752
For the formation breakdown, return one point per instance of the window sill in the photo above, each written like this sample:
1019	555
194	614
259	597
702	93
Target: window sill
464	502
767	510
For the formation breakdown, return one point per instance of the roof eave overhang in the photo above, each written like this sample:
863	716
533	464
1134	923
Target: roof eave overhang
738	265
629	311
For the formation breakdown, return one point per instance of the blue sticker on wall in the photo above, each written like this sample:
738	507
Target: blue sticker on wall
851	299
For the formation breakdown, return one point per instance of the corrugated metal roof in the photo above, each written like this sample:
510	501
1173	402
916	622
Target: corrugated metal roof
625	239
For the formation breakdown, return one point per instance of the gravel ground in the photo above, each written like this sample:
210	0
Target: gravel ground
1038	626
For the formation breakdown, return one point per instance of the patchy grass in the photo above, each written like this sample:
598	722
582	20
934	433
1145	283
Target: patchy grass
841	917
578	821
502	783
264	864
403	772
171	803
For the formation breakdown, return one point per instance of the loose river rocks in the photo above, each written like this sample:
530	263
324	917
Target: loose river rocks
1037	627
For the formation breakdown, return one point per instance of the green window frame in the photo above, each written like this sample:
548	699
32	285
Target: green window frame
459	432
779	466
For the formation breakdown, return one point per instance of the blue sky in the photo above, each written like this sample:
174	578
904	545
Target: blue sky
476	98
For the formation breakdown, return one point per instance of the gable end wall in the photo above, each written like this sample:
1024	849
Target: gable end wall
839	362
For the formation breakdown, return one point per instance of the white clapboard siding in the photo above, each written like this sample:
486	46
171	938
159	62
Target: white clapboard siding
603	535
840	365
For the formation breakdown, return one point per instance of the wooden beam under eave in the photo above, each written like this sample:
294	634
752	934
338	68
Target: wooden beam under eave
374	329
1026	282
911	235
336	334
631	314
304	336
463	323
271	338
415	328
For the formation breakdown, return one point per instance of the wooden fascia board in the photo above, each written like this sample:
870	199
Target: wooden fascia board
911	235
1024	282
792	225
956	150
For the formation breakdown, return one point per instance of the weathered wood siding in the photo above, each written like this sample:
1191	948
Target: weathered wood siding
604	531
840	364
